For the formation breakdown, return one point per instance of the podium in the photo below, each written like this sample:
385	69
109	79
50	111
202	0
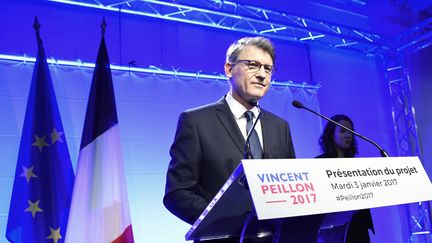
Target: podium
282	188
224	216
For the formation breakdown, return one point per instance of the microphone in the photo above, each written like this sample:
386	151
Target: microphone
299	105
247	153
253	102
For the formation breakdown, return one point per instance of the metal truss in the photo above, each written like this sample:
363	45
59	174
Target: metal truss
398	78
416	38
402	109
233	16
405	127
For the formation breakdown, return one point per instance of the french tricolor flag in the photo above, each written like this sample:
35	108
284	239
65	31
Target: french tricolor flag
99	210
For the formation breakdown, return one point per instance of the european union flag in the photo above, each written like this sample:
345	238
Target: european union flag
44	176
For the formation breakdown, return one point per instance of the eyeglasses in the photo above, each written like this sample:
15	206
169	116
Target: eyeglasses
255	66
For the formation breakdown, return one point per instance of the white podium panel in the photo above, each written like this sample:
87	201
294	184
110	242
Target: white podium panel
294	187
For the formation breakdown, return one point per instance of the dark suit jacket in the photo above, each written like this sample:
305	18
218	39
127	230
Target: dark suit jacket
208	146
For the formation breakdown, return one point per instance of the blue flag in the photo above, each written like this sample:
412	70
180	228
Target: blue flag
44	176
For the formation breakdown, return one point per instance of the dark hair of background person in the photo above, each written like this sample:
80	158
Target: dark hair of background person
327	143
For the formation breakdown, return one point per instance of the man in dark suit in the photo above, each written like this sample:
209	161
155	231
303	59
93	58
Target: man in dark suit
210	140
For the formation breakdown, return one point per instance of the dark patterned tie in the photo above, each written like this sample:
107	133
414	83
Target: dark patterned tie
254	142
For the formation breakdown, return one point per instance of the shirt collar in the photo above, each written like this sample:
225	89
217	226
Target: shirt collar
238	109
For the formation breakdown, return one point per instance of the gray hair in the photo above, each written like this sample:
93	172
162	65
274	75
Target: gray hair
263	43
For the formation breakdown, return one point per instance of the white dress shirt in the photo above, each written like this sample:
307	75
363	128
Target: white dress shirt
238	111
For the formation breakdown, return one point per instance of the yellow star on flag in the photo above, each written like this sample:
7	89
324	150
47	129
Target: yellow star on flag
55	234
33	207
56	136
28	173
40	142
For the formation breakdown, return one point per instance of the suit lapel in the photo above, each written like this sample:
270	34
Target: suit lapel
226	118
264	129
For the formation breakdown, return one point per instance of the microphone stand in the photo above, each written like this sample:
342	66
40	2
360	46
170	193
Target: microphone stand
247	152
299	105
250	216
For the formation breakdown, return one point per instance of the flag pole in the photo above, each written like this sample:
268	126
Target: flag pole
36	27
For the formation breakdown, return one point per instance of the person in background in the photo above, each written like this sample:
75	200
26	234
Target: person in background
337	142
210	140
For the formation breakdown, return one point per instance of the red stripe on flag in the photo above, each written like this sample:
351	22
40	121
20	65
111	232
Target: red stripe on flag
126	236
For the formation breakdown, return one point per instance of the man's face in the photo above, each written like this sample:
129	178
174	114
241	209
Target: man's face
246	82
